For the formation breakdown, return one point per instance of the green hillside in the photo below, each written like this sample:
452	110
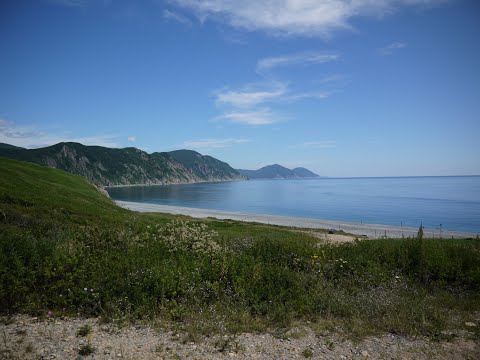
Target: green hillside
67	250
127	166
206	165
32	193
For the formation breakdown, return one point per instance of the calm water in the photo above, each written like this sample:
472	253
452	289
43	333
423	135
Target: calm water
453	202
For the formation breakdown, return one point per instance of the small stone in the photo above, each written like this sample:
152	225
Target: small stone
119	355
365	354
231	354
470	324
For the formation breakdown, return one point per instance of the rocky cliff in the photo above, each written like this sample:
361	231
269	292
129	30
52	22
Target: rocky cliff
128	166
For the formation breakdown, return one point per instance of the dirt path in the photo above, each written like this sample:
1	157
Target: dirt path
30	338
331	238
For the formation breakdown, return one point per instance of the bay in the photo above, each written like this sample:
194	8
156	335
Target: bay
452	203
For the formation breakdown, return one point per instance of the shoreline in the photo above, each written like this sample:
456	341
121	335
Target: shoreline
172	183
371	230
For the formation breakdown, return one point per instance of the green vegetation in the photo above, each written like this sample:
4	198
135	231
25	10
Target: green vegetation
66	248
203	164
86	349
307	353
84	330
105	166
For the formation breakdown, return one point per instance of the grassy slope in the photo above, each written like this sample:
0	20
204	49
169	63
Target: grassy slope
39	192
59	235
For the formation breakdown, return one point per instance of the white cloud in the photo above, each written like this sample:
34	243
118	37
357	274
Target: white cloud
254	117
389	49
308	95
306	58
212	143
132	139
322	144
253	95
295	17
32	137
244	102
171	15
250	96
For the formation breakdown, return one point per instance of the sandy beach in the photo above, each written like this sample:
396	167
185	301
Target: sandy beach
370	230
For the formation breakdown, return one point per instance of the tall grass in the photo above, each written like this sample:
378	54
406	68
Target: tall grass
142	271
219	276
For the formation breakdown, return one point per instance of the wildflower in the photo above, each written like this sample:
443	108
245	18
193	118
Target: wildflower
397	277
85	289
315	257
50	313
91	290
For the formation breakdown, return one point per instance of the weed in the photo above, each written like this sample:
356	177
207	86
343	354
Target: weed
228	343
84	330
86	349
307	353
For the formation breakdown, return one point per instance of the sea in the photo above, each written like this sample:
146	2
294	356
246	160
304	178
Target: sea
448	203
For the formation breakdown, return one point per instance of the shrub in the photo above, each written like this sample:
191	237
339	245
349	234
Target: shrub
189	237
86	349
84	330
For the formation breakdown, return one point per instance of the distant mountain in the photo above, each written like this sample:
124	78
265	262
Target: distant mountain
128	166
277	172
305	173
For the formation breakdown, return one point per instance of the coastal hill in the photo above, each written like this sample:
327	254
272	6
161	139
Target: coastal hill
128	166
277	172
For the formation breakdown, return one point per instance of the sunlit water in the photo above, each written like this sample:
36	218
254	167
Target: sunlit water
453	202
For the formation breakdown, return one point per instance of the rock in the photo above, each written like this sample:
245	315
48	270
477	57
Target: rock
470	324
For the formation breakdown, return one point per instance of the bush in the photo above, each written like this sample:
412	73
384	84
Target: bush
142	269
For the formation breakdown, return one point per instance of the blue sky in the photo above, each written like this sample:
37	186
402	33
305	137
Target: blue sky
344	88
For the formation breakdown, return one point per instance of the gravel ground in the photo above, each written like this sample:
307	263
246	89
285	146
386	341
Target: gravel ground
371	230
31	338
